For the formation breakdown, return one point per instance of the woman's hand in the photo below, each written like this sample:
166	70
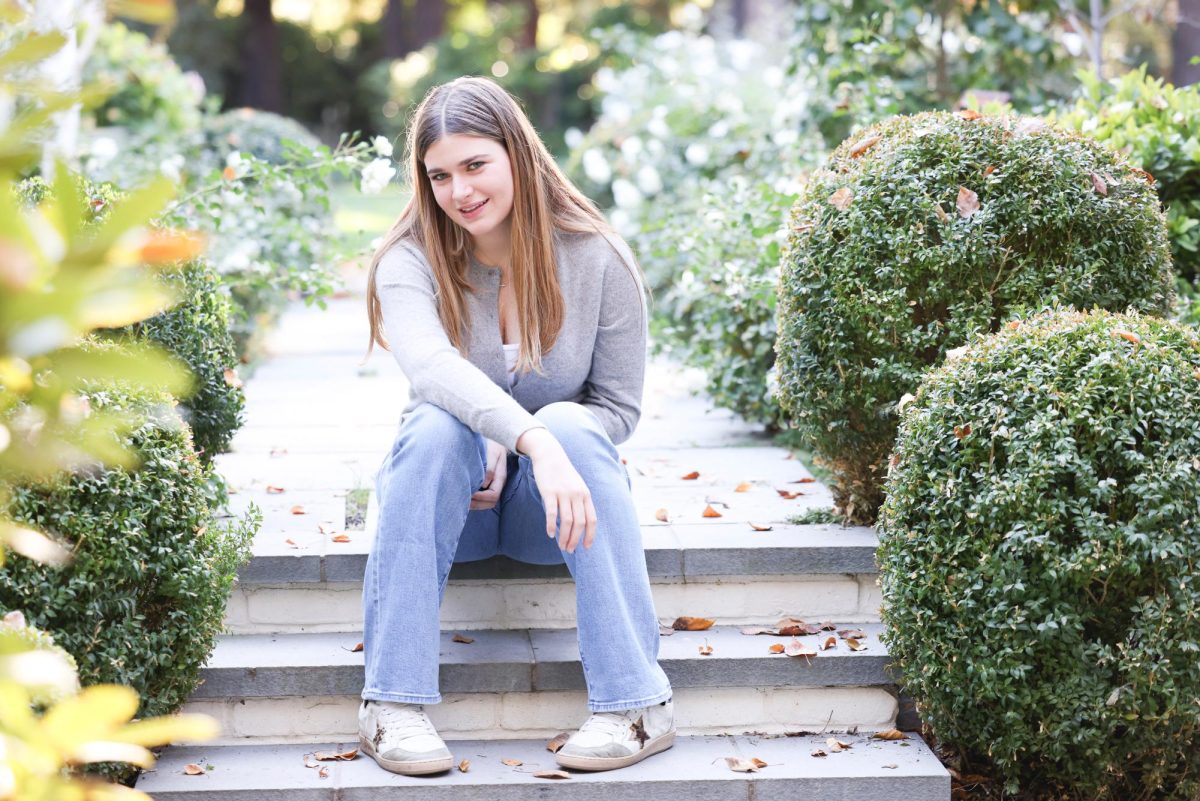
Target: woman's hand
494	475
567	500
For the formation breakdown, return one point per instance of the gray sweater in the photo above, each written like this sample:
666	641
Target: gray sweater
598	360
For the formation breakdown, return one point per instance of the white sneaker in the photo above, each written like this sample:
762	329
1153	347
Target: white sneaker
611	740
401	739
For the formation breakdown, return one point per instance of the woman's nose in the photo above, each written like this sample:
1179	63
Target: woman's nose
462	188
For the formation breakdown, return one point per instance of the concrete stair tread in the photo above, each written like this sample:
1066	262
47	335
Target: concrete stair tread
678	551
693	770
282	665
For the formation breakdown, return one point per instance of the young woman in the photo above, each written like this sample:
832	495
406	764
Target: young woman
519	318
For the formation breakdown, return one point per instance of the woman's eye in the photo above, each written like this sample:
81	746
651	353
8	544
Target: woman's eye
437	176
474	164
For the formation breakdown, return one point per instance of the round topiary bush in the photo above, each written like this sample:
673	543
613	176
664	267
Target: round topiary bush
928	229
1038	550
143	599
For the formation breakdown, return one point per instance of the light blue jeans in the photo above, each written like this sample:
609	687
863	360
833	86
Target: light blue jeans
425	524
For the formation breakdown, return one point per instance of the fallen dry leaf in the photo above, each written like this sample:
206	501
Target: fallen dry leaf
512	763
325	526
1128	336
706	650
890	734
745	486
753	630
342	538
1138	171
761	527
789	494
462	638
854	645
857	634
827	626
841	199
558	742
1099	185
357	648
665	631
775	648
298	510
742	765
969	114
692	624
829	642
309	762
661	516
962	431
323	772
941	213
291	542
991	168
711	512
231	378
273	490
692	476
805	480
192	769
464	766
817	752
967	202
889	766
797	648
336	756
552	774
836	745
862	146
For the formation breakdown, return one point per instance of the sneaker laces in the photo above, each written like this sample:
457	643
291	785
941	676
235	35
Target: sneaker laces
616	724
406	721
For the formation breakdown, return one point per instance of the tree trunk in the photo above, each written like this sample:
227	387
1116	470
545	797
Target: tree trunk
429	22
739	12
394	30
529	30
262	66
1185	44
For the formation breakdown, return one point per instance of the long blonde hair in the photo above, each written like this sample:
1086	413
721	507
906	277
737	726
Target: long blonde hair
544	200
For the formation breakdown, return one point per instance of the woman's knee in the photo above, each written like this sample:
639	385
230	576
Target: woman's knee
430	432
571	423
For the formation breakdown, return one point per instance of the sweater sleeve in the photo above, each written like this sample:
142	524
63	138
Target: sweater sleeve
613	390
436	370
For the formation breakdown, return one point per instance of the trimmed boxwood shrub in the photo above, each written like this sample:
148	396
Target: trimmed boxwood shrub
1037	555
925	230
143	599
197	331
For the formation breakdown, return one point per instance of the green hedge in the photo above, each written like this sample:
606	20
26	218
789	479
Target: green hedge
925	230
1037	556
143	599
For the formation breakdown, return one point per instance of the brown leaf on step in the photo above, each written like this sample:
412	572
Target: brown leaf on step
512	763
552	774
829	642
817	752
192	769
863	145
836	745
706	649
797	648
309	762
753	630
969	114
298	510
789	494
889	766
291	542
805	480
1099	185
661	516
325	526
967	202
464	766
692	624
761	527
841	199
775	648
692	476
827	626
745	486
342	538
890	734
336	756
357	648
558	742
857	634
665	631
742	765
462	638
273	490
854	645
710	512
323	772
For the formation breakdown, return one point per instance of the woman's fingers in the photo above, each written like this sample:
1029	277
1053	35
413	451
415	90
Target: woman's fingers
590	520
579	515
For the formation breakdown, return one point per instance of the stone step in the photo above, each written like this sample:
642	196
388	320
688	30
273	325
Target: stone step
694	770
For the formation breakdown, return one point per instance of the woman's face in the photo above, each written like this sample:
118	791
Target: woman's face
472	181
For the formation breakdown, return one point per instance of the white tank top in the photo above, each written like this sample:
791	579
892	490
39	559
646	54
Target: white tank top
511	352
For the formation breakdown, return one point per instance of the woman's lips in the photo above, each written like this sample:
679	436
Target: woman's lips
472	211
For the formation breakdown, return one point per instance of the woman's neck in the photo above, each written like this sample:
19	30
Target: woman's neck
494	249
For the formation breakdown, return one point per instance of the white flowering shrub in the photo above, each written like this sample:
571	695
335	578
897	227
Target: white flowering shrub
701	147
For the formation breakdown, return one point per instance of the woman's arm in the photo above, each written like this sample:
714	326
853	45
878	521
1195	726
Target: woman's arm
437	371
